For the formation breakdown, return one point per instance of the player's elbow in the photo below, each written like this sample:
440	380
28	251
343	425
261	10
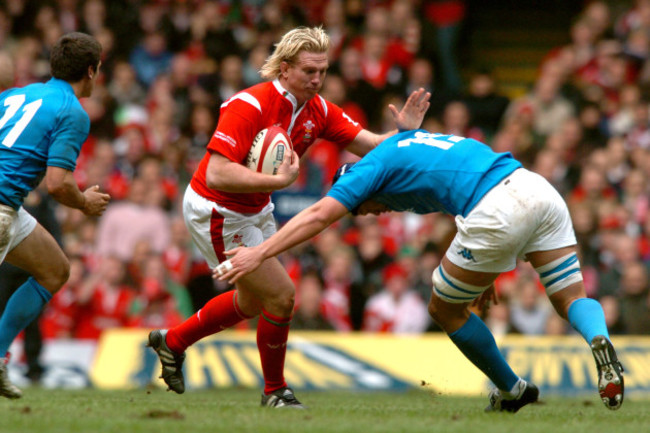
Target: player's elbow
212	180
57	181
220	179
55	187
319	218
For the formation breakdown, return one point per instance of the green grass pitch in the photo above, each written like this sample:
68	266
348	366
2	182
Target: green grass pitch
237	410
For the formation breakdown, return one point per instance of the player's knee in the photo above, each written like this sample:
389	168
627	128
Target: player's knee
434	309
560	273
55	277
282	304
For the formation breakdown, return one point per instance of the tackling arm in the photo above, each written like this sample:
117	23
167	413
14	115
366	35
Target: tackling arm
300	228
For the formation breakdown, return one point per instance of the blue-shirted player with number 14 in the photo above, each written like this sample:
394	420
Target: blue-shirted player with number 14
502	211
42	128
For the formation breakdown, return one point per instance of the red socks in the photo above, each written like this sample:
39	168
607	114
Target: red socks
222	313
217	314
272	335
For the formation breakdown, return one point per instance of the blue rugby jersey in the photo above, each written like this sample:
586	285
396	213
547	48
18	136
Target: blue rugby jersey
421	172
41	125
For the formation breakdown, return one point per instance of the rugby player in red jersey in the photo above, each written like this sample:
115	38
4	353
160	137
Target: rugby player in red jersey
227	205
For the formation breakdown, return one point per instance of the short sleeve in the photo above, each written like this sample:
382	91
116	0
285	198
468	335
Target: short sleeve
339	127
67	138
359	184
235	131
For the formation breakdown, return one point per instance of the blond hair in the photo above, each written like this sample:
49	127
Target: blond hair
309	39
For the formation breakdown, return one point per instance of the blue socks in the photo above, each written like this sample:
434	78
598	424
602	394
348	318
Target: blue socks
476	342
23	307
587	317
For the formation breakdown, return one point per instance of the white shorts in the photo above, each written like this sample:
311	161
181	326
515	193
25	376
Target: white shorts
522	214
216	229
14	228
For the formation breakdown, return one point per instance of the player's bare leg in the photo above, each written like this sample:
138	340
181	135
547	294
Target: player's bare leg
41	256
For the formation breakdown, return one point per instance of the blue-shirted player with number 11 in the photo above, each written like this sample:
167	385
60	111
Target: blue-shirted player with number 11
42	128
503	212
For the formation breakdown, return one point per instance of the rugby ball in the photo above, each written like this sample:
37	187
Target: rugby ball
268	150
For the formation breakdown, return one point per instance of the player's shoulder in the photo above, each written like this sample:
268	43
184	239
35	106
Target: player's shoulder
254	98
323	106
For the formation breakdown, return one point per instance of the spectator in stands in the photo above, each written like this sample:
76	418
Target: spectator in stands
585	225
421	73
177	257
372	258
358	89
550	165
124	88
162	303
6	69
397	308
546	106
182	79
231	74
104	300
625	251
128	222
130	148
622	120
497	319
253	63
336	28
456	120
309	304
638	137
635	299
486	106
150	58
447	17
529	310
338	278
592	187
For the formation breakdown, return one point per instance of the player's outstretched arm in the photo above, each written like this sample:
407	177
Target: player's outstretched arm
412	114
62	186
410	117
300	228
226	175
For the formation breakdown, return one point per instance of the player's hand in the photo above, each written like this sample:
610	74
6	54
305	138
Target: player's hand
413	112
242	261
487	297
96	201
288	170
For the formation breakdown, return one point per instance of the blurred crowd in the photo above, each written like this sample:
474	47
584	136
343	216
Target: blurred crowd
169	64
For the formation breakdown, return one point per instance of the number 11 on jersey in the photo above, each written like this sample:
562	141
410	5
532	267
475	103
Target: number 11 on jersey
13	104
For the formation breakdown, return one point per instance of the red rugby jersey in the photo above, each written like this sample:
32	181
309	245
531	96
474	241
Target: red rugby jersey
261	106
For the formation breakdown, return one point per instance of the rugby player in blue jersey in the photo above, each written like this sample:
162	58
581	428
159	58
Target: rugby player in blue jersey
502	211
42	128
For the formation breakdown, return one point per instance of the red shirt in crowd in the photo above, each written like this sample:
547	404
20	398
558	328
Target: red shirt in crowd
109	307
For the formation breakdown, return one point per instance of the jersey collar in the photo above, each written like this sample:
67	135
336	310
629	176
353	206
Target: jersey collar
61	84
285	93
